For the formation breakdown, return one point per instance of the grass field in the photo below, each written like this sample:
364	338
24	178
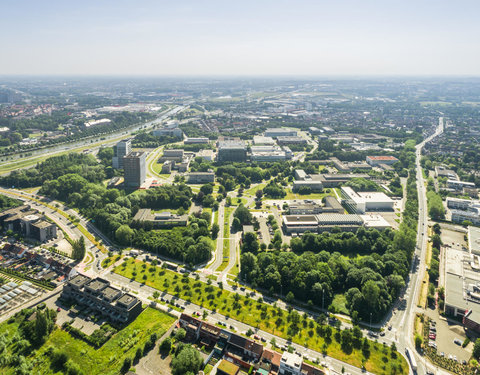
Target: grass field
109	358
339	301
291	195
260	315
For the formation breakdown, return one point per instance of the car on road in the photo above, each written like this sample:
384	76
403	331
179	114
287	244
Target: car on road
59	309
382	333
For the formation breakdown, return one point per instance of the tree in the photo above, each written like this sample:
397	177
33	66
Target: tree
166	345
250	243
236	224
259	194
290	297
243	215
476	349
180	335
215	229
124	234
78	248
418	341
187	360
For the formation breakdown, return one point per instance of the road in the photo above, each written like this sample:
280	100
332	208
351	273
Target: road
145	292
92	143
403	321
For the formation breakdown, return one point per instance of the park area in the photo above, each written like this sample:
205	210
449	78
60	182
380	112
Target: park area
108	359
343	345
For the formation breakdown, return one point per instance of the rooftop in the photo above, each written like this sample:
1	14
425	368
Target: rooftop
474	239
126	299
228	367
98	284
291	359
382	157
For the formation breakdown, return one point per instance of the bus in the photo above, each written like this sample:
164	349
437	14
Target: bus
411	358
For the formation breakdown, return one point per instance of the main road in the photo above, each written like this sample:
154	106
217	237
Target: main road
403	321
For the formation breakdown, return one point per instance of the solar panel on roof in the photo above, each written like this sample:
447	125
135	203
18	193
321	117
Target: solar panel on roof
6	298
2	300
2	290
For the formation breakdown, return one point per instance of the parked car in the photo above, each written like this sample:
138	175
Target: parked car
432	336
256	337
458	342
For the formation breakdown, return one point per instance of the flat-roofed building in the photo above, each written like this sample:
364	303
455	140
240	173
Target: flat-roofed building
29	223
122	149
262	140
361	202
98	295
171	130
208	155
192	141
290	364
474	240
375	161
232	150
472	215
280	132
300	174
173	154
460	185
159	220
460	204
336	179
291	140
200	177
441	171
375	222
134	169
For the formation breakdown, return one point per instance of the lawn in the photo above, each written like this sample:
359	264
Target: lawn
260	315
339	302
109	358
291	195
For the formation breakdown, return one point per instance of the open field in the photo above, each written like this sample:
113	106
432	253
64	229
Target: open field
263	316
109	358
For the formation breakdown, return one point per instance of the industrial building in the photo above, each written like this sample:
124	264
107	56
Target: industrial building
122	149
280	132
232	150
134	169
192	141
98	295
200	177
361	202
28	222
159	220
375	161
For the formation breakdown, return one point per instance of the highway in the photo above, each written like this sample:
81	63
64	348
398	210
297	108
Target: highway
92	143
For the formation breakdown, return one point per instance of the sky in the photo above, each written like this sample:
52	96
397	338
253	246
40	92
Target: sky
240	38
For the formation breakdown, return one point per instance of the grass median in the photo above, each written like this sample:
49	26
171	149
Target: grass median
302	330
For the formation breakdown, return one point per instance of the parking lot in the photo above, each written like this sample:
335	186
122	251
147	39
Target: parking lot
447	331
82	321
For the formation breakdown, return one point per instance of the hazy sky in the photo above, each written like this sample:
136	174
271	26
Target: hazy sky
241	37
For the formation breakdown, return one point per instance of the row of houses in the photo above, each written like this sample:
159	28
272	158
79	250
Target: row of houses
241	352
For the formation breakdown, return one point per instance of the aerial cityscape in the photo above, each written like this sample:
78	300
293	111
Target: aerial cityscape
217	189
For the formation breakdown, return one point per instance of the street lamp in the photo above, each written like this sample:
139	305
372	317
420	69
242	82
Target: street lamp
370	320
323	299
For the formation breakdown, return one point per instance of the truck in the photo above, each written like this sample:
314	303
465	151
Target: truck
411	358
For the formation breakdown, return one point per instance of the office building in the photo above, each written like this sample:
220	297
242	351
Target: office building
208	155
362	202
171	130
29	222
459	185
192	141
291	141
122	149
267	153
134	169
441	171
232	150
259	140
375	161
172	155
98	295
200	177
314	130
145	217
310	207
280	132
461	204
